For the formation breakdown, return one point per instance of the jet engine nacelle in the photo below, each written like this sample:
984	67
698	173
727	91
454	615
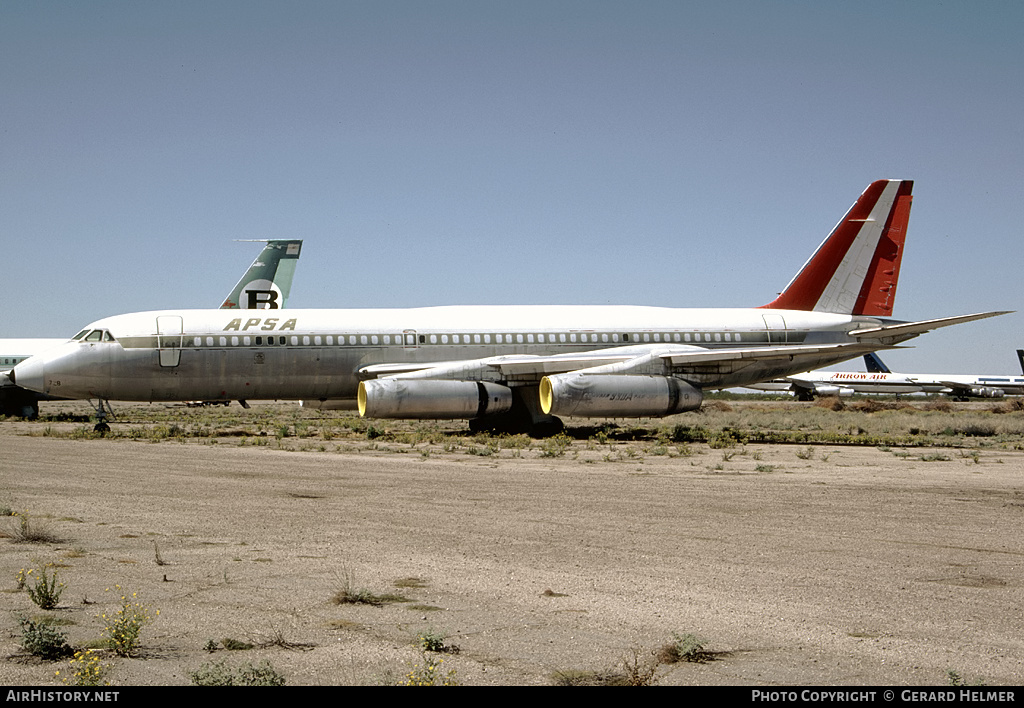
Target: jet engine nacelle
404	398
833	391
617	395
985	392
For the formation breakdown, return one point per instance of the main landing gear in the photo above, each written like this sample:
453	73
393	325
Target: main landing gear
524	416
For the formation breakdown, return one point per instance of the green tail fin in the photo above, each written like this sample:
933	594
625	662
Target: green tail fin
268	282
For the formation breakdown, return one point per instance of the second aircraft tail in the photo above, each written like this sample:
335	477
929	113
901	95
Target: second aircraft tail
268	282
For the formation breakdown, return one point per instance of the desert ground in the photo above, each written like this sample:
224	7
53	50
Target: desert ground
540	562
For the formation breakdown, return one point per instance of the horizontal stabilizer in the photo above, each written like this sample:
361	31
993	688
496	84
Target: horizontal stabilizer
905	329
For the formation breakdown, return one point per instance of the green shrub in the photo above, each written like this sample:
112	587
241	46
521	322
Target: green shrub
44	591
42	639
218	673
685	647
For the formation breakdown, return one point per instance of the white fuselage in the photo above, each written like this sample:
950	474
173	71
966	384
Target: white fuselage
318	354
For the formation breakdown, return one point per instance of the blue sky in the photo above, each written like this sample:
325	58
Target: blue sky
688	154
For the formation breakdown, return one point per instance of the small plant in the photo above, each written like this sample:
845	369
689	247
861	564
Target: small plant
123	629
429	673
235	644
430	640
218	673
42	639
348	595
44	591
685	647
956	679
556	445
972	455
28	531
85	669
806	454
639	672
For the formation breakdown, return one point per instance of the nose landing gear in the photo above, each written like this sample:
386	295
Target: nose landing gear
103	412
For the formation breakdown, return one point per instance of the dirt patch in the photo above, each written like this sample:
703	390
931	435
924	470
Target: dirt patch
848	566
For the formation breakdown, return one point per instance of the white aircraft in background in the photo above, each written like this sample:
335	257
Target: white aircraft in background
502	367
878	379
265	285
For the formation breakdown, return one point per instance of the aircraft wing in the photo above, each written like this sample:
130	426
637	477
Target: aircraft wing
691	363
983	389
904	329
522	366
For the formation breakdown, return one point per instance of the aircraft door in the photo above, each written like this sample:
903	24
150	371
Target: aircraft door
168	340
409	338
776	326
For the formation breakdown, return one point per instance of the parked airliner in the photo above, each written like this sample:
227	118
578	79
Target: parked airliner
878	379
506	367
265	285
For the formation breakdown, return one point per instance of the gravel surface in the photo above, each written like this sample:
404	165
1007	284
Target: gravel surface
855	566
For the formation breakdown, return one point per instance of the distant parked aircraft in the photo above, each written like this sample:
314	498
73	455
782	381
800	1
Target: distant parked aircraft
878	379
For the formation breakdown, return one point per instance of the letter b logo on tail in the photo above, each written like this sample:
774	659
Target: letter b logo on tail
260	295
262	299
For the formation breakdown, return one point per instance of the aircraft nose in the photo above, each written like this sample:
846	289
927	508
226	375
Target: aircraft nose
30	374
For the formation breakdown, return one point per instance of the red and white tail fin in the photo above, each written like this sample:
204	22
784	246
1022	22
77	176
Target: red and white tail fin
854	271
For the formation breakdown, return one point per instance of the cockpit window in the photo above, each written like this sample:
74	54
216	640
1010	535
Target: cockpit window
99	335
79	336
